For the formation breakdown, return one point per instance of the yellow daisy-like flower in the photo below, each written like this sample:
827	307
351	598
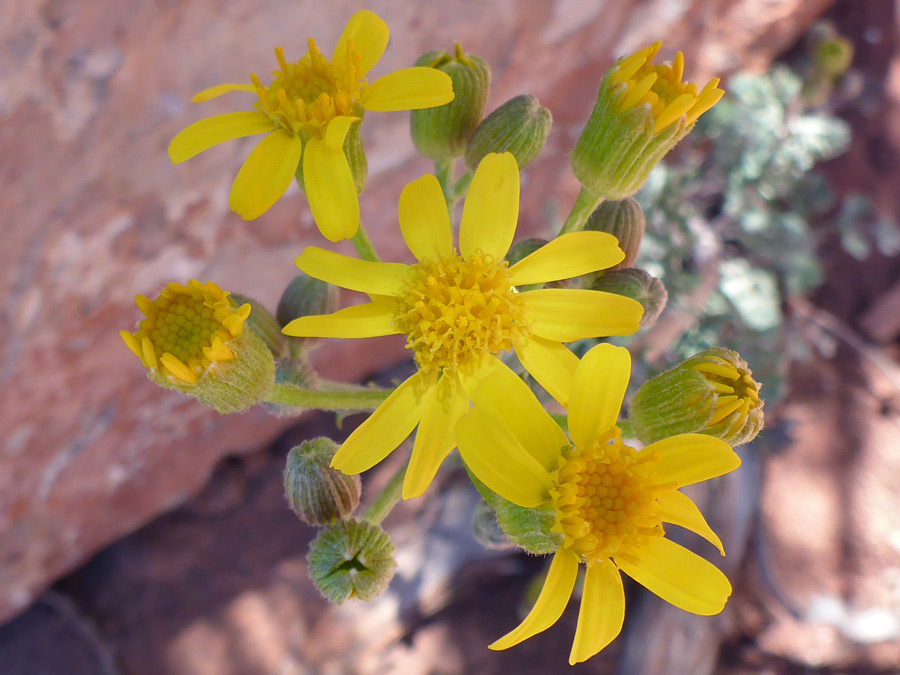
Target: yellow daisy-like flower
610	499
306	112
193	340
460	309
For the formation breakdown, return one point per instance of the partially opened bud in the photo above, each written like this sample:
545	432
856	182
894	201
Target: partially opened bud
441	133
350	559
318	494
193	340
638	285
641	113
520	126
712	393
625	221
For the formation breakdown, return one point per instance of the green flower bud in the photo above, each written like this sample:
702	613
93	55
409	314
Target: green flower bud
304	296
641	113
487	530
265	325
712	392
519	126
523	249
193	340
625	221
638	285
441	133
318	494
349	559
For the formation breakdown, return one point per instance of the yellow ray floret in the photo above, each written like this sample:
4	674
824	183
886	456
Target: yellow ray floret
186	330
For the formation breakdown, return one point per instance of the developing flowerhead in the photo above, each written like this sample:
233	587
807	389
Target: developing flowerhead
642	111
454	312
193	340
712	392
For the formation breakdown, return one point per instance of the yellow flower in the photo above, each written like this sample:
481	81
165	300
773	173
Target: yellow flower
458	310
610	500
193	340
642	111
307	111
660	89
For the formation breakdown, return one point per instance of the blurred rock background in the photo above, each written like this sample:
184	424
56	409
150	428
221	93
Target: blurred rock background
142	533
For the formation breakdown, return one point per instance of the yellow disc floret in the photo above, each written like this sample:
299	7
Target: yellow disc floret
306	95
456	311
659	87
605	500
187	330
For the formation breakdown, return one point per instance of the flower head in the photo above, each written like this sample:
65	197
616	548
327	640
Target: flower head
610	499
193	340
642	111
460	308
310	111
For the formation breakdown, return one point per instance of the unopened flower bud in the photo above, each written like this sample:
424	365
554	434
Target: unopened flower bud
520	126
304	296
625	221
318	494
523	248
641	113
265	325
350	559
638	285
712	393
441	133
193	340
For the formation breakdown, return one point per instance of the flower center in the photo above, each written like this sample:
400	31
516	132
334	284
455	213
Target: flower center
189	327
738	392
456	311
306	95
605	500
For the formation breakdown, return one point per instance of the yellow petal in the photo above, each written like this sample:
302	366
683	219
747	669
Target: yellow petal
205	133
361	321
679	577
219	89
424	219
598	390
491	209
568	314
602	611
330	190
408	89
132	343
493	453
177	368
357	275
386	428
691	458
567	256
435	437
266	175
336	132
551	364
506	396
368	36
550	603
677	508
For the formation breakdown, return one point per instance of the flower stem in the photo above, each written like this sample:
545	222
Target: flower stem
363	245
462	185
388	497
584	206
283	393
443	171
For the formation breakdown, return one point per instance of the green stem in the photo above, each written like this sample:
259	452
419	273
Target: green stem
462	185
283	393
363	245
443	171
388	497
584	206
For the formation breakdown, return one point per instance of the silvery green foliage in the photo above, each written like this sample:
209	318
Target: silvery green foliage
740	199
